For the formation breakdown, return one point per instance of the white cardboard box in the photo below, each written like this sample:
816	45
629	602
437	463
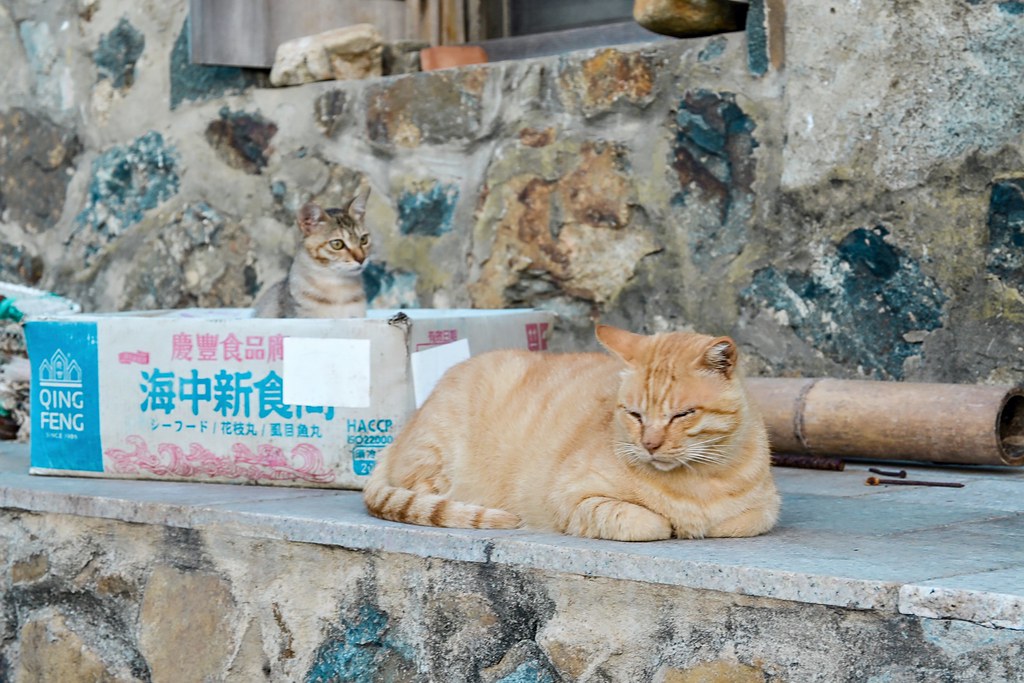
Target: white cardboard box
216	395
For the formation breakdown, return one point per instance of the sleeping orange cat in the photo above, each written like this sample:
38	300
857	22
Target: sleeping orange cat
656	440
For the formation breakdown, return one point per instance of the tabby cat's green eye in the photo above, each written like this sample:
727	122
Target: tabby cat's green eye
364	239
337	244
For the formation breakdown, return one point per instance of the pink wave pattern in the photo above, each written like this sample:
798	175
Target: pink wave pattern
266	463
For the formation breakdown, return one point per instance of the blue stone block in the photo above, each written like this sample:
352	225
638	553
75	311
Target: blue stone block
428	212
713	50
713	157
855	305
714	139
757	39
357	651
117	53
389	288
198	82
529	672
126	182
1005	254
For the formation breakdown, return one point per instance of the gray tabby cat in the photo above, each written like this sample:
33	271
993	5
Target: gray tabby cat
325	279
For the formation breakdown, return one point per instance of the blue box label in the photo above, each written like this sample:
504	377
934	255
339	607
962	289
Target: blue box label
65	396
367	439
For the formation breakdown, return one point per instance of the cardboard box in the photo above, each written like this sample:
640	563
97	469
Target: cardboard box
216	395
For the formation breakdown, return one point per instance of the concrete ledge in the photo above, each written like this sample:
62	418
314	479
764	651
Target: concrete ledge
929	552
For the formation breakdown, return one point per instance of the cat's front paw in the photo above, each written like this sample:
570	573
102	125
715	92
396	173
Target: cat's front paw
753	522
617	520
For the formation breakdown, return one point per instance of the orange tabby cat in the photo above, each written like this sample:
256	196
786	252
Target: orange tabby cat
658	441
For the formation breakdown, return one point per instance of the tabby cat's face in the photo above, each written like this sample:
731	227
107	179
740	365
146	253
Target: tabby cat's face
336	238
678	404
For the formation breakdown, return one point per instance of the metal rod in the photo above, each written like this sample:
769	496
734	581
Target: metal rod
875	481
807	462
901	474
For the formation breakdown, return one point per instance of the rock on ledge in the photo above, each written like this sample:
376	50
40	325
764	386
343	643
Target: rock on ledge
347	53
690	18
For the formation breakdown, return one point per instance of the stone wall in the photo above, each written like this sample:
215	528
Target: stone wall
844	195
101	600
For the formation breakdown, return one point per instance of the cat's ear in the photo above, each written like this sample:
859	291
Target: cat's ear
720	356
356	206
310	215
625	345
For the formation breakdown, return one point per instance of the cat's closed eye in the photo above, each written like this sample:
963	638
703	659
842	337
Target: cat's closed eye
633	414
337	244
684	413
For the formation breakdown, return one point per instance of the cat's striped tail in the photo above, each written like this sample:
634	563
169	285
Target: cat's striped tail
428	509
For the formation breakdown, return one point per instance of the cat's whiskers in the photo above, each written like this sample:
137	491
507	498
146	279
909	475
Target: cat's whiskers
713	459
684	463
711	440
705	450
709	451
629	451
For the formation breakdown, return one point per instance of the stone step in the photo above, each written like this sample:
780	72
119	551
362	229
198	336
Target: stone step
906	557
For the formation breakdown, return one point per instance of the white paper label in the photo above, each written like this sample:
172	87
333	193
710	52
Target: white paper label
327	372
430	364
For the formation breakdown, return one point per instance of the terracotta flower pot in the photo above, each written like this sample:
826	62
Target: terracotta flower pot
448	56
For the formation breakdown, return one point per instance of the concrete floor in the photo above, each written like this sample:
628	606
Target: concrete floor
931	552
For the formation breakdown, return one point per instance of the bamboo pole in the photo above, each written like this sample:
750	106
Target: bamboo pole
943	423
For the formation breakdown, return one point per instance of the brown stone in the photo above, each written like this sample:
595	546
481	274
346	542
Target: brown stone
242	139
329	112
113	584
690	18
432	108
571	235
32	569
716	672
531	137
610	76
50	651
571	661
595	191
35	157
184	612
